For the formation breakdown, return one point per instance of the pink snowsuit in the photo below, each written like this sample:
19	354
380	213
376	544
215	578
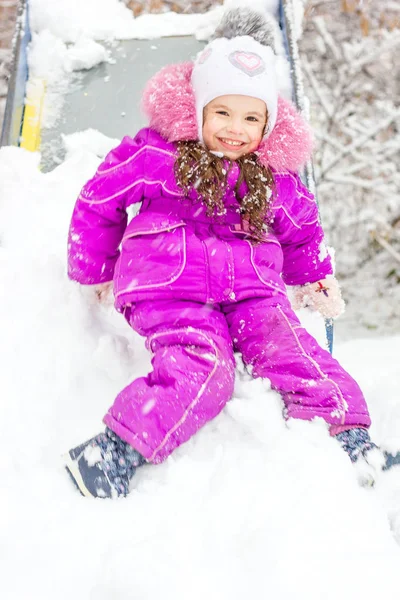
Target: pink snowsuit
198	290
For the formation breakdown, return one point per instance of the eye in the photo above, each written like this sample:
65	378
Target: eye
252	119
222	112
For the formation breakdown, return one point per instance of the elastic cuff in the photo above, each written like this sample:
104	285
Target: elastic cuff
335	429
127	436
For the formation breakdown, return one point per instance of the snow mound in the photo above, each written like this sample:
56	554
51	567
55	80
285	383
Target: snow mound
250	507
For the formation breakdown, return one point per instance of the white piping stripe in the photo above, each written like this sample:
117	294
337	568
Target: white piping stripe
125	162
143	180
280	207
342	410
289	216
200	392
134	156
287	174
151	231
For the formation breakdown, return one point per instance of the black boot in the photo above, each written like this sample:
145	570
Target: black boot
103	466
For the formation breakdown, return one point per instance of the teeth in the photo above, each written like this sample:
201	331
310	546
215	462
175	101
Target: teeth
231	142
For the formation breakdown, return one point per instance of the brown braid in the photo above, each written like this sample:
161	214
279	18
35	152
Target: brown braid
198	168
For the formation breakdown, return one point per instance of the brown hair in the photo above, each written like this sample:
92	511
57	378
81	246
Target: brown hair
198	168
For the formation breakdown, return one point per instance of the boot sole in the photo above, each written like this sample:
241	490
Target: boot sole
73	471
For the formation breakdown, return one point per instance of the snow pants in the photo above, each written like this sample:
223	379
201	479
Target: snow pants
193	370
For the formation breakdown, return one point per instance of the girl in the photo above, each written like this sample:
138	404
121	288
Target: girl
224	224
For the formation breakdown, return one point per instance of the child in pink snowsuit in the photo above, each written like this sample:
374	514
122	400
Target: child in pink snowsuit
201	270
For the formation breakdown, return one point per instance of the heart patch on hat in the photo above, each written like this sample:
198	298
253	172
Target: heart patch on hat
250	63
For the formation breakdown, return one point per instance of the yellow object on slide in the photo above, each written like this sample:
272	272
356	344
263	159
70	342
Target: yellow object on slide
31	126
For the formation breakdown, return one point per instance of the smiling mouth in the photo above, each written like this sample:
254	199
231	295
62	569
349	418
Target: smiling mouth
231	143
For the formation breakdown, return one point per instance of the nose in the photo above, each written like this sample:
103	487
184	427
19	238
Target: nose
235	126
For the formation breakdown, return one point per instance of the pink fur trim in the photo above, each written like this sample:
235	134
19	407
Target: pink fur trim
169	104
289	146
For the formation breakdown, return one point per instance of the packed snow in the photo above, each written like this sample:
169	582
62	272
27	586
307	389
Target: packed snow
111	20
251	507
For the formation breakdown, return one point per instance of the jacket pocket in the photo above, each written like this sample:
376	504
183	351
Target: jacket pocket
153	252
266	259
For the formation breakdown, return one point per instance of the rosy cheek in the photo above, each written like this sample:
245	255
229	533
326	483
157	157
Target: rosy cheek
257	140
254	144
208	136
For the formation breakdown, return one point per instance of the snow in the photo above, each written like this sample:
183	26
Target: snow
91	140
250	507
86	53
111	20
246	502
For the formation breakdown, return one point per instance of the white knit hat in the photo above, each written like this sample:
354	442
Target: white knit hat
239	65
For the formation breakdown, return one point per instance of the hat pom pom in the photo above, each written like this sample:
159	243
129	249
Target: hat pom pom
243	21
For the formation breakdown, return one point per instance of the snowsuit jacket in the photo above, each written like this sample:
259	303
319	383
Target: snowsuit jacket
171	259
141	170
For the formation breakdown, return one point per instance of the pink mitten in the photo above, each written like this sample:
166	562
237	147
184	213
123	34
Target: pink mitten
324	296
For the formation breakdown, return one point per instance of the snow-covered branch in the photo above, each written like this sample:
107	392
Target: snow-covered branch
354	95
387	247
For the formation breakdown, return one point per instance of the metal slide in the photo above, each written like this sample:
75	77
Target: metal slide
100	98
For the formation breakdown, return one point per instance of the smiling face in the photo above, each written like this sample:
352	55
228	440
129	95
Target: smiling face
234	124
